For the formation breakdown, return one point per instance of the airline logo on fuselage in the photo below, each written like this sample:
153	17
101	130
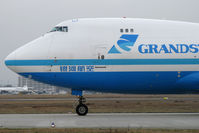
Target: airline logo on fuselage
126	43
170	48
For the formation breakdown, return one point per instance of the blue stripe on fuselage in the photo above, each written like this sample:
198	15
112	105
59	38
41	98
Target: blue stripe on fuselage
102	62
123	82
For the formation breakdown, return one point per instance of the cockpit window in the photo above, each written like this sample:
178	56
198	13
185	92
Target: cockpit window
65	29
53	30
60	28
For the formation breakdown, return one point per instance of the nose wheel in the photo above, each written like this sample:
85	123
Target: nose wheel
81	108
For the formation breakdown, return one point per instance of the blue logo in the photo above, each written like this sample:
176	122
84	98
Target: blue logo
126	42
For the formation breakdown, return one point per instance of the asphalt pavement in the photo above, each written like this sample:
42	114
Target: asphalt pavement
102	120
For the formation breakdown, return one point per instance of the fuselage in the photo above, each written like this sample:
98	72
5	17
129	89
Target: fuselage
119	55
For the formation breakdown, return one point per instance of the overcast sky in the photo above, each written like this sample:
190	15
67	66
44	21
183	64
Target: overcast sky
24	20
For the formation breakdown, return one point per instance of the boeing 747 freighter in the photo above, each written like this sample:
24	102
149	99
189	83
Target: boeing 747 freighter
117	55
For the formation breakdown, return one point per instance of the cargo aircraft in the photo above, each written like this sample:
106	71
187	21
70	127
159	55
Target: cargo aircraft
116	55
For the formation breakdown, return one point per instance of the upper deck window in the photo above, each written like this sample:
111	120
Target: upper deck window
60	28
121	30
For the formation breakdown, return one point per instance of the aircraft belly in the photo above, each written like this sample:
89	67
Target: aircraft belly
120	82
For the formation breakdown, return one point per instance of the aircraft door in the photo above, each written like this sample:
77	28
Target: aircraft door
101	53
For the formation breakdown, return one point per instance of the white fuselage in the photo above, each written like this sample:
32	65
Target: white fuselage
116	48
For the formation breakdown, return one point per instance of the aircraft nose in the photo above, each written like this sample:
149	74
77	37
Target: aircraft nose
35	50
10	60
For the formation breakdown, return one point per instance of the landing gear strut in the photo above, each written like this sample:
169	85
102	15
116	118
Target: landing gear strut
81	108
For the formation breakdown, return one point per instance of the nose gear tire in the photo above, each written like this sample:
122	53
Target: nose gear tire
81	109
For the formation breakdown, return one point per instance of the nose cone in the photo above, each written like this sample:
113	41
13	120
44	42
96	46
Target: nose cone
35	50
10	58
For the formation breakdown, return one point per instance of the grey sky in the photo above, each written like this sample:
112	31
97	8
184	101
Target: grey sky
24	20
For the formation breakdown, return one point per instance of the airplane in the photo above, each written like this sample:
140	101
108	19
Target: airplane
13	89
116	55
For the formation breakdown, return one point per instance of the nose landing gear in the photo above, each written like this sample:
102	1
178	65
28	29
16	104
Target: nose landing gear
81	108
